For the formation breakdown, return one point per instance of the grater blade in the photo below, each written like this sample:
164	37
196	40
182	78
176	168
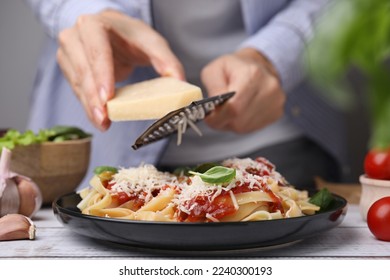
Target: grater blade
172	122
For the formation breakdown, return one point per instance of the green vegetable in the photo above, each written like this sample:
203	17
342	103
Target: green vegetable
217	175
7	144
323	199
14	138
100	169
60	132
202	168
354	35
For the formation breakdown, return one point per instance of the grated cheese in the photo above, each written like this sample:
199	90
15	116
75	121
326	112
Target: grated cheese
143	180
183	120
196	188
140	180
234	200
244	163
211	218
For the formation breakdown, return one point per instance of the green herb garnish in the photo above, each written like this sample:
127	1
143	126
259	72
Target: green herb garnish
204	167
216	175
100	169
322	198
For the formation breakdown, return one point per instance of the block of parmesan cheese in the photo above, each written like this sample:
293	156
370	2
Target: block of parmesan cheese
151	99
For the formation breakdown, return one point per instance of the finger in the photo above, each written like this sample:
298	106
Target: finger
266	107
69	74
215	81
268	104
152	45
214	78
95	39
122	71
222	76
73	59
162	58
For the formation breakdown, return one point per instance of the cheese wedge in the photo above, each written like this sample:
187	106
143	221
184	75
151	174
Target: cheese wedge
151	99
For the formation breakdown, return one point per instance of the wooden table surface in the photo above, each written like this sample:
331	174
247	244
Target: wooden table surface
351	239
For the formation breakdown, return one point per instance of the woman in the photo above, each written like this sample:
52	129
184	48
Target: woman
251	47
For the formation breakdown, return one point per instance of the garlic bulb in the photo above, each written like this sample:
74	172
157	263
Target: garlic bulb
18	194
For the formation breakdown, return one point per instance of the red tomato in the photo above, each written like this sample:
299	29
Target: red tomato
377	164
378	218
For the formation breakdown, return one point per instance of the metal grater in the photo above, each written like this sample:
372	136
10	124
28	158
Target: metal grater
170	123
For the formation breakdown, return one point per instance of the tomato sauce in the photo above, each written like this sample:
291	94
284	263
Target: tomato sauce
223	205
138	199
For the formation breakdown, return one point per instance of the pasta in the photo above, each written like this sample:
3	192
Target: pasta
255	192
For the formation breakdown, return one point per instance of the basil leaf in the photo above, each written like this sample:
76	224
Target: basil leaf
100	169
202	168
323	199
217	175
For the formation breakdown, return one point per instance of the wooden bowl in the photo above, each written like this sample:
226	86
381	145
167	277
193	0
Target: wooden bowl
56	167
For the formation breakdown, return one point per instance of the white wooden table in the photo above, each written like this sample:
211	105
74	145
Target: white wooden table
351	239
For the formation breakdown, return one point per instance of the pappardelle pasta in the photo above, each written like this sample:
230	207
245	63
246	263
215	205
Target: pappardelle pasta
237	190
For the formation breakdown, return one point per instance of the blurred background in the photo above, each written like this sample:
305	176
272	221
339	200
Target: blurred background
21	38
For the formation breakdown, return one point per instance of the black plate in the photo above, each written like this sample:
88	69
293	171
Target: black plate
197	236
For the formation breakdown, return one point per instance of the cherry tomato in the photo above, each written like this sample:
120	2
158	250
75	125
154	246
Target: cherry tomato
378	218
377	164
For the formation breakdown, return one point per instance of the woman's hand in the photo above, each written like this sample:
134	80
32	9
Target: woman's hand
259	99
102	49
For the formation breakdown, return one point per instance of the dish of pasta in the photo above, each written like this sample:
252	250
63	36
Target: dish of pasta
238	189
238	204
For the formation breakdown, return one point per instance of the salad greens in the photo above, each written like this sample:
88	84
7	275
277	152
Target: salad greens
58	133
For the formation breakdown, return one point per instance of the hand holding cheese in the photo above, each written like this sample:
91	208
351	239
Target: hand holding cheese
101	49
151	99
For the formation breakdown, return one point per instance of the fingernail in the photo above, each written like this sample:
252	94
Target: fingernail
103	95
98	115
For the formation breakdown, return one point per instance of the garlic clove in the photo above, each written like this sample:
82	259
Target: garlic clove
16	227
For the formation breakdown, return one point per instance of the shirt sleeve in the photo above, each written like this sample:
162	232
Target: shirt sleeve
284	38
57	15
